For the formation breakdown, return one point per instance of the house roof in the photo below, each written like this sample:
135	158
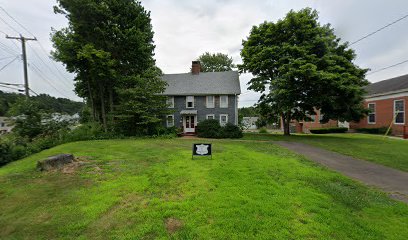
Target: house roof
202	84
389	85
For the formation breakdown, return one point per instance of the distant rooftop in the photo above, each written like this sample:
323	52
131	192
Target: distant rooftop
204	83
389	85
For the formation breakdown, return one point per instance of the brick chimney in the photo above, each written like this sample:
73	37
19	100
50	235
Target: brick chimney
195	67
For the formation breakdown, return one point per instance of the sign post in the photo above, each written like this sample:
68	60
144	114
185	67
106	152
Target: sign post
202	149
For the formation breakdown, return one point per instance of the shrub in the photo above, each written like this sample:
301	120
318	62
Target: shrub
231	131
329	130
381	130
263	130
209	128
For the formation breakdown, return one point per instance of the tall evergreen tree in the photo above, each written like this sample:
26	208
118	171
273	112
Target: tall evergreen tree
299	66
108	44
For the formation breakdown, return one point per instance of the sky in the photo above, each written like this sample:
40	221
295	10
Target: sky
184	29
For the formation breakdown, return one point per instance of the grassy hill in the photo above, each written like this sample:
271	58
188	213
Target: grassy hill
148	189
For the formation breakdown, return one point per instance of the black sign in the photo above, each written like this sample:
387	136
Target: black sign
202	149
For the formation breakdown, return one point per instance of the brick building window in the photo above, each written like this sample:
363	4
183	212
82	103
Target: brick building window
371	114
399	111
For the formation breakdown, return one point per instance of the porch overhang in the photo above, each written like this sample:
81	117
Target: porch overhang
188	112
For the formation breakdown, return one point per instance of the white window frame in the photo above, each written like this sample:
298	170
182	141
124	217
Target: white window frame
167	122
187	98
226	119
213	102
208	115
375	113
403	112
224	106
170	101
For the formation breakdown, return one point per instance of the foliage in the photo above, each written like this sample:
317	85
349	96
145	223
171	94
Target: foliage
28	120
134	188
263	130
45	103
211	128
380	130
329	130
299	66
231	131
215	62
110	49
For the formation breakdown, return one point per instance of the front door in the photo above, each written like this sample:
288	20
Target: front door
189	124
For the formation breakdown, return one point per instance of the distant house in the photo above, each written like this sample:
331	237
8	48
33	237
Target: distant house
5	126
249	123
386	101
197	96
306	125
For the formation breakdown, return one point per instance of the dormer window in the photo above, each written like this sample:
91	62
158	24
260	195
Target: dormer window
190	102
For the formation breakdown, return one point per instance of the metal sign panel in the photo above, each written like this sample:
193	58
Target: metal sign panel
202	149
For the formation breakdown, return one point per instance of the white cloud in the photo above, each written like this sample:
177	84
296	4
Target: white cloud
185	29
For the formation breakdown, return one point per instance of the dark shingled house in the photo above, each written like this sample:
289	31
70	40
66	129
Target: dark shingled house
197	96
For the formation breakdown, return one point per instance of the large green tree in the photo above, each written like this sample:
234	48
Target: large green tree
108	44
299	66
215	62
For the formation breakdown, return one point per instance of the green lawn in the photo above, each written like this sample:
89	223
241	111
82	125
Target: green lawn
151	189
382	150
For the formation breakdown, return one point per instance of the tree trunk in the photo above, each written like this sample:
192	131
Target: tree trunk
92	102
286	124
111	104
103	113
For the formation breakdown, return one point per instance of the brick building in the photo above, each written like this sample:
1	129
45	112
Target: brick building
387	103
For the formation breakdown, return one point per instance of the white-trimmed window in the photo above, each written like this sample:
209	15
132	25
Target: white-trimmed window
210	101
170	102
170	121
399	111
210	116
371	114
223	119
223	101
321	117
190	102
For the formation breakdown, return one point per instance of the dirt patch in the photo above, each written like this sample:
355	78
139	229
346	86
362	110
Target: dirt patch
173	225
78	162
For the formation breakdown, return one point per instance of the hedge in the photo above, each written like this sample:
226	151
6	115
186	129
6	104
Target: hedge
329	130
380	130
211	128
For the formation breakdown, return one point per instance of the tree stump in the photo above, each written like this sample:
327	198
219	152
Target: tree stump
55	162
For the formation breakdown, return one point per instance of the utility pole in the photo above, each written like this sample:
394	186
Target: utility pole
23	46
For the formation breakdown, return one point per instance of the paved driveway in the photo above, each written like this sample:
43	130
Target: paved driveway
393	181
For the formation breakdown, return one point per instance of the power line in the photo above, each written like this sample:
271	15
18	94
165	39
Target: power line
11	84
379	70
58	77
7	57
11	88
8	63
8	49
378	30
4	10
11	27
39	73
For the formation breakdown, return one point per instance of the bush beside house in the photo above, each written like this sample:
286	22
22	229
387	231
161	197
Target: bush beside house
211	128
329	130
